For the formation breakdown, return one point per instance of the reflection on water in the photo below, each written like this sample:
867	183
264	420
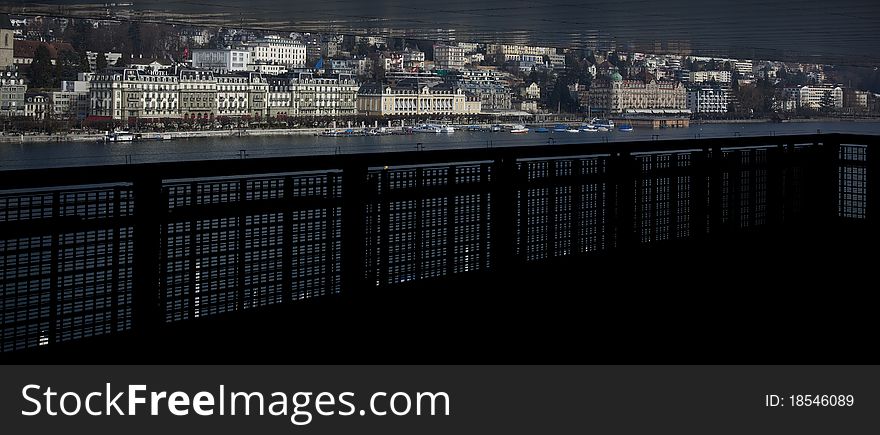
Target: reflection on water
36	155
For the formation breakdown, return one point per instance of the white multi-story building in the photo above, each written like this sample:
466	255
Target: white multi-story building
810	96
128	93
323	96
708	99
386	100
448	57
71	101
268	69
221	60
709	76
37	105
159	92
744	67
518	50
232	95
533	91
277	50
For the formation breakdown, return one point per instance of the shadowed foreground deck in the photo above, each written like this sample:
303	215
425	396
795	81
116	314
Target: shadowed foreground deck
748	250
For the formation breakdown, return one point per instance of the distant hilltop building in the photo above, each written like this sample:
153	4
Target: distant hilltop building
221	60
449	57
276	50
810	96
710	76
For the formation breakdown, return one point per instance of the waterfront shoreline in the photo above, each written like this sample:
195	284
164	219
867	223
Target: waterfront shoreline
99	137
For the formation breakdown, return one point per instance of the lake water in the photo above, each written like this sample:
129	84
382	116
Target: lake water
57	154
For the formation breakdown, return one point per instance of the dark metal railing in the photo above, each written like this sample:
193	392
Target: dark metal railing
93	251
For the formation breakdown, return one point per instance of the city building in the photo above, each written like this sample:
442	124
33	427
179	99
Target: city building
530	106
232	95
448	57
221	60
509	52
616	95
72	100
329	48
855	99
708	99
709	76
557	61
413	60
411	100
195	36
105	94
258	96
37	105
810	96
533	91
268	69
489	85
23	52
111	58
7	41
134	95
276	50
148	65
494	96
198	95
12	90
313	95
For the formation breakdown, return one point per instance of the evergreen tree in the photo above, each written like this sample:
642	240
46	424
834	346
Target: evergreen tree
41	72
826	104
100	62
84	62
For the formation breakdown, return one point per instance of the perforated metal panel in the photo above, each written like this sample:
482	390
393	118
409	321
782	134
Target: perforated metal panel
852	195
66	261
427	221
230	243
562	207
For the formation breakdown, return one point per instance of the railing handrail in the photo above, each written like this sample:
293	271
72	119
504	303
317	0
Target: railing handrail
122	173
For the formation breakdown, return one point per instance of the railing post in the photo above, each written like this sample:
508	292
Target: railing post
622	172
503	213
823	184
354	182
775	186
872	213
699	209
715	211
149	214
